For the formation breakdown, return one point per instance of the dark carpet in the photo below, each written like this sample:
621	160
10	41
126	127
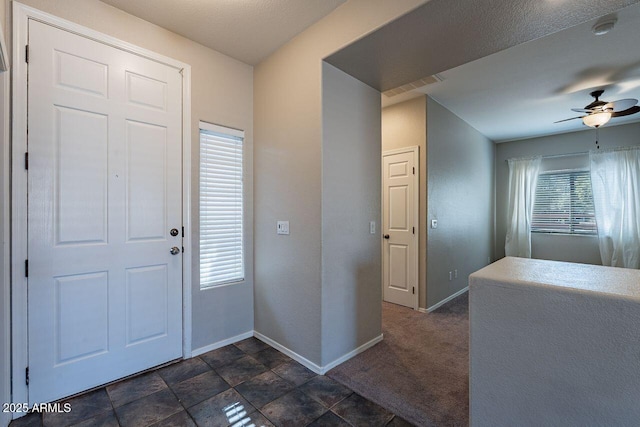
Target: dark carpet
420	371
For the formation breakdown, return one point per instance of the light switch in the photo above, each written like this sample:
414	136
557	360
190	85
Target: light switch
434	223
282	227
372	227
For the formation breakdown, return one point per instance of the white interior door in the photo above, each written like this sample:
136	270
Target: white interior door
400	226
104	191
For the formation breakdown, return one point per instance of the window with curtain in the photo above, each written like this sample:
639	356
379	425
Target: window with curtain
523	178
221	206
615	176
564	203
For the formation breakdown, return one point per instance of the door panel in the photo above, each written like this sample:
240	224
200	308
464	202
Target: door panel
147	181
400	252
146	303
147	92
82	321
398	263
104	182
82	74
398	215
81	176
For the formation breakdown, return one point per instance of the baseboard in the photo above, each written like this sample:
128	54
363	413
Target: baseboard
446	300
326	368
321	370
217	345
292	354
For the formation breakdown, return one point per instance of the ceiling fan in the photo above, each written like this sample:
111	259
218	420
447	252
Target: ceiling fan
600	112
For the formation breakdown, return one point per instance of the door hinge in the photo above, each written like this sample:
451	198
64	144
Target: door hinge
414	290
26	268
26	375
414	170
26	54
414	230
183	231
26	160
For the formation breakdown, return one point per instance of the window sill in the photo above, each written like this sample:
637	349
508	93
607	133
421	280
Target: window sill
222	285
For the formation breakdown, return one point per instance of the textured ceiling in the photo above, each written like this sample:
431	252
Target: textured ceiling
511	67
443	34
520	92
248	30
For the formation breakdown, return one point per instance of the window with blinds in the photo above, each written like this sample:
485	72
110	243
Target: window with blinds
564	204
221	206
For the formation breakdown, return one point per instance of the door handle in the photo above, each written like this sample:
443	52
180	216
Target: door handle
175	250
386	236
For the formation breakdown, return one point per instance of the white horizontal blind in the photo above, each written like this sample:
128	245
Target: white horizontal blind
564	204
221	207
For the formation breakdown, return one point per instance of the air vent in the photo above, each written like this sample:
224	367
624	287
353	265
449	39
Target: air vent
413	85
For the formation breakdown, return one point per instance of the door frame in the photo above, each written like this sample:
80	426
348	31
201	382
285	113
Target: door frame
415	149
19	330
5	290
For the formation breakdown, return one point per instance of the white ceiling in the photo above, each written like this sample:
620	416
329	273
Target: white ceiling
248	30
519	92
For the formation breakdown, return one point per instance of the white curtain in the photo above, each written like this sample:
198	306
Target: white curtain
523	178
615	180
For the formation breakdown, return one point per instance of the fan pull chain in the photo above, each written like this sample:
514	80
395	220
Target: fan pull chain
597	138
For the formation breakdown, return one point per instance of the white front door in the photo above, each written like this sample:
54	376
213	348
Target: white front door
400	226
104	191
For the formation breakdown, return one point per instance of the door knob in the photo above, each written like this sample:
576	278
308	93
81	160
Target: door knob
175	250
386	236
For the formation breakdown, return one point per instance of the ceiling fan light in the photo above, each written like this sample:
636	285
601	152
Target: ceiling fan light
596	120
603	27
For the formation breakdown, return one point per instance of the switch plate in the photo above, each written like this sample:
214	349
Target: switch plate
372	227
450	275
282	227
455	274
434	223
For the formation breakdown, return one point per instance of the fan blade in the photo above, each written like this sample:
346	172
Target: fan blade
582	110
620	105
627	112
572	118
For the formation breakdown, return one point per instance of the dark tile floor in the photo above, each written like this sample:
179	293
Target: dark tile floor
245	384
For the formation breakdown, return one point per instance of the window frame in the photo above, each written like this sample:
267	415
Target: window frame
573	228
236	134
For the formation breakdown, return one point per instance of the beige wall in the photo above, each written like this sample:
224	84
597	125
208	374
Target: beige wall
405	125
288	173
4	5
221	92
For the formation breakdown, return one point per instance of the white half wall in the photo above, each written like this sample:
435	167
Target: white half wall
554	343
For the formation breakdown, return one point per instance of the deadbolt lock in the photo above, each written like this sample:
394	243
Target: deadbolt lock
174	232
